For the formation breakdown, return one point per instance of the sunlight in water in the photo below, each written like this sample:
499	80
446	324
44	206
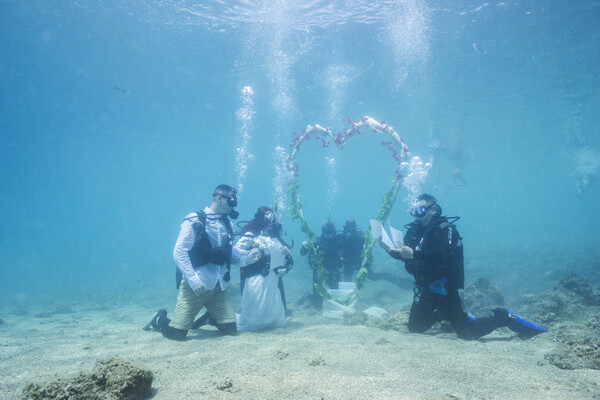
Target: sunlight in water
408	36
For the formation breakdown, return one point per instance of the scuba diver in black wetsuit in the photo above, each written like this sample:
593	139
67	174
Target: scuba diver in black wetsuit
329	244
351	248
433	255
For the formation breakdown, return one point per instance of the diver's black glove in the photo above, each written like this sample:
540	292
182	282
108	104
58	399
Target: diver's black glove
218	255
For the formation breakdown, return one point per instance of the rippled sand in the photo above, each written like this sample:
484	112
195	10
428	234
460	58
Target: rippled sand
312	358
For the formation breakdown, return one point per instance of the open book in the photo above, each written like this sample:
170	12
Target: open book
391	240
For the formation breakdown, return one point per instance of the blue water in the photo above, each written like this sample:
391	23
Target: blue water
118	118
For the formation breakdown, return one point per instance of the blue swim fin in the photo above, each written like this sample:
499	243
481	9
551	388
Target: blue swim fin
524	328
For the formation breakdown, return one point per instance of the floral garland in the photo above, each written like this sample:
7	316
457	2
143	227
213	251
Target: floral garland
399	152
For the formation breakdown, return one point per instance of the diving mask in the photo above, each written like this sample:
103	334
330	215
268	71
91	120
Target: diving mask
419	210
271	217
232	200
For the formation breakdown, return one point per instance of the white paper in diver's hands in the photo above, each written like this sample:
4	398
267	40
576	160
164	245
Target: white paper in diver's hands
392	241
376	229
397	236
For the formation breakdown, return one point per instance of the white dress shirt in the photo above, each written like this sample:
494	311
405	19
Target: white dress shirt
218	234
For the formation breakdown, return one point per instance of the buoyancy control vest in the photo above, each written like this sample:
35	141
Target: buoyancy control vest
443	246
199	253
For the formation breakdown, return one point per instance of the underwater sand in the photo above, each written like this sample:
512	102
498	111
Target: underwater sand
312	358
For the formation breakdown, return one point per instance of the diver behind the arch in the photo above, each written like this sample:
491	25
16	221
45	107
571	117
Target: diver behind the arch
433	254
329	246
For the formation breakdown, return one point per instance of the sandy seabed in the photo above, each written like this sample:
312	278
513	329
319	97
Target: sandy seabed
312	358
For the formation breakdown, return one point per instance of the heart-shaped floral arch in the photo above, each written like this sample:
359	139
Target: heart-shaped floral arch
399	151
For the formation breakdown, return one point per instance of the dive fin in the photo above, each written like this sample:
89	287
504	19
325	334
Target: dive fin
153	324
524	328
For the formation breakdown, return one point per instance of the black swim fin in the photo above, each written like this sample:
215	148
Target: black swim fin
153	324
525	329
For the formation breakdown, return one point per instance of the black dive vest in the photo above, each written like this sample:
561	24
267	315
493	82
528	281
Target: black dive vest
199	253
440	264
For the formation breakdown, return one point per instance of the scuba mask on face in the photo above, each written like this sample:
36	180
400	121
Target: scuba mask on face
350	228
271	218
232	201
272	227
419	211
328	230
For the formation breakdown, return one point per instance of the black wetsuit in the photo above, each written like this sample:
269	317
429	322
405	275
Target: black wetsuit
332	264
351	247
438	269
330	246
